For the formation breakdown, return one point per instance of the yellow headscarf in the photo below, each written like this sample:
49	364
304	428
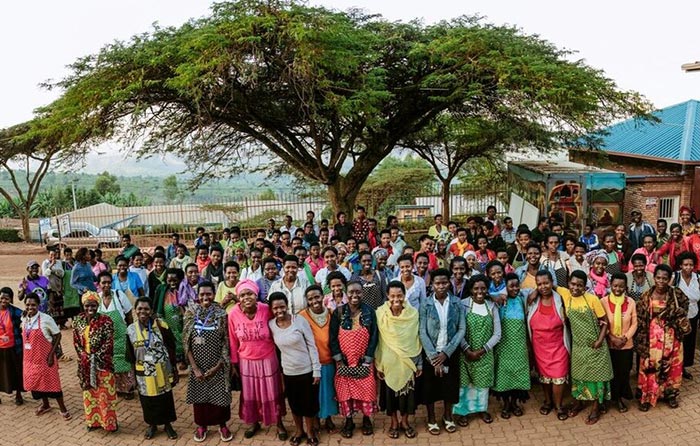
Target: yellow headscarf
618	301
90	295
398	343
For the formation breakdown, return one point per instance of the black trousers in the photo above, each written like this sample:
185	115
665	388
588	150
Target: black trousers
689	342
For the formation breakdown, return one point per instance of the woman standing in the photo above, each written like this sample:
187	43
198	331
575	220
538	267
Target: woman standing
10	346
622	320
687	220
254	360
151	351
127	282
662	313
675	245
399	361
117	306
460	278
591	369
93	338
336	282
205	341
598	280
319	317
555	260
648	250
442	329
512	382
226	289
373	285
551	343
41	337
528	272
301	369
477	366
353	341
639	279
688	281
82	277
415	286
52	268
37	284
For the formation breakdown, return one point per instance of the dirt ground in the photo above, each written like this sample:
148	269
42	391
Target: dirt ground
13	261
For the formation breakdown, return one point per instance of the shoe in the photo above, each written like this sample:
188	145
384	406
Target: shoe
450	426
225	434
252	430
687	375
172	435
150	432
200	434
348	428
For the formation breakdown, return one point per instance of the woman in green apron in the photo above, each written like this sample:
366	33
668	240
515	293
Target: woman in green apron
166	307
512	382
117	306
476	370
591	368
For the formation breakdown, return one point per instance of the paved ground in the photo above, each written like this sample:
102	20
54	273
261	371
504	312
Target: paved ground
661	425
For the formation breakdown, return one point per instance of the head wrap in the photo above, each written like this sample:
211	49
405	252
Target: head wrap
686	209
469	253
340	246
596	254
380	252
247	284
90	295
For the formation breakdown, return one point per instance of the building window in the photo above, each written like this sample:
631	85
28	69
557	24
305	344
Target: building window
668	209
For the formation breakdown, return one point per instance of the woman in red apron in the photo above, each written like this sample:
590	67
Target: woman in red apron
40	338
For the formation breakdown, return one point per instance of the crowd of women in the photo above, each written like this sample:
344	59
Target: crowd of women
352	320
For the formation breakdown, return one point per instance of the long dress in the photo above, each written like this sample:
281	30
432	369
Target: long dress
551	355
205	334
151	349
40	378
512	359
591	369
11	349
476	377
118	308
94	340
355	394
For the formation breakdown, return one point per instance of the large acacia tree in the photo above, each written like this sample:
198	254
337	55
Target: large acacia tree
325	93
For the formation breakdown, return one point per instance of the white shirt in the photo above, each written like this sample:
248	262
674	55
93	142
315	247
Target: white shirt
295	296
48	325
480	309
247	273
143	275
443	311
291	229
323	273
691	290
119	302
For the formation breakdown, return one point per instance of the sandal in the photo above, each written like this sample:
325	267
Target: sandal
562	414
518	411
313	441
409	431
41	410
434	428
331	428
172	435
487	418
546	408
393	433
19	401
150	432
225	434
621	406
574	410
348	428
296	441
66	416
644	407
673	402
200	434
252	430
463	421
505	414
282	435
592	418
367	428
450	426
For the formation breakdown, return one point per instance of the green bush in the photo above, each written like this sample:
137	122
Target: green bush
10	235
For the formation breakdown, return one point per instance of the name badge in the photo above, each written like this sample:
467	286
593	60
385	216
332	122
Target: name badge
198	340
27	346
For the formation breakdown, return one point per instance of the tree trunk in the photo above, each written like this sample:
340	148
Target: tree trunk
342	196
445	192
24	216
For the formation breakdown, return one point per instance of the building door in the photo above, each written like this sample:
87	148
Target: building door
668	208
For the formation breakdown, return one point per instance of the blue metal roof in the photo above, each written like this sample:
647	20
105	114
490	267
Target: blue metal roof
675	137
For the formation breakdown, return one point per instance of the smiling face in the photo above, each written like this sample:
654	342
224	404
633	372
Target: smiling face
314	299
459	269
599	265
33	271
5	300
396	298
31	306
676	233
496	273
331	259
192	274
106	285
421	265
618	287
206	296
231	274
90	307
122	267
354	295
143	311
533	256
579	253
577	286
279	309
172	281
290	269
479	290
649	244
661	280
544	285
513	287
159	265
337	287
366	262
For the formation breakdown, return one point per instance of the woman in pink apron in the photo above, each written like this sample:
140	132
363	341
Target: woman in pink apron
40	338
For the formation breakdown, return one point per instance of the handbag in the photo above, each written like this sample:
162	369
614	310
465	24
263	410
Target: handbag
357	372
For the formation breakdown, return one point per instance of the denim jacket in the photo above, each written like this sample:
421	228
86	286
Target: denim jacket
430	326
341	319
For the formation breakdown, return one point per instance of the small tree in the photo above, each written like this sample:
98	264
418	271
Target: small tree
106	183
171	190
26	160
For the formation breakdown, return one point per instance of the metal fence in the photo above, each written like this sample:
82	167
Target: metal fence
150	225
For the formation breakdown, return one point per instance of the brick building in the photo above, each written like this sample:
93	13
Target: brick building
661	160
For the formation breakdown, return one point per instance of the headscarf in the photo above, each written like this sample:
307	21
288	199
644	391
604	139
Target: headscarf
379	252
469	253
398	345
601	283
90	295
618	302
340	246
247	284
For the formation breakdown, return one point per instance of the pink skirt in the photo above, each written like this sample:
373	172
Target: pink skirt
262	399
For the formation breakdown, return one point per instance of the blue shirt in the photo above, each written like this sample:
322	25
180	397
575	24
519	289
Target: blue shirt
82	278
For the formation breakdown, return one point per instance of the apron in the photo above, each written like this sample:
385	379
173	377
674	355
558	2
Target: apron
512	361
173	318
587	363
38	376
479	373
121	365
70	295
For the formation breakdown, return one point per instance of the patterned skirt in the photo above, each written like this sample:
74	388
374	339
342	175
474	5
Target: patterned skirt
262	399
100	403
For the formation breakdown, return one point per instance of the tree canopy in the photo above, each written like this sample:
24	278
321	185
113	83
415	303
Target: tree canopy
328	94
